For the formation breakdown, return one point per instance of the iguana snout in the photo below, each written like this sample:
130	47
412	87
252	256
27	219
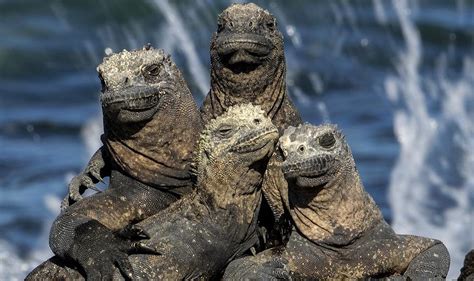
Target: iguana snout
313	154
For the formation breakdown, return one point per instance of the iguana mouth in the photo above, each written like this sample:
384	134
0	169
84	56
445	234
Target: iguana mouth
243	53
309	168
132	99
256	140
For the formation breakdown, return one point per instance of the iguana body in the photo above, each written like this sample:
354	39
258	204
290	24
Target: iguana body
198	235
467	271
339	231
248	65
151	126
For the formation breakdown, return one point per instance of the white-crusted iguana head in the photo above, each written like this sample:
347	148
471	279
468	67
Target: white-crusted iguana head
314	154
247	50
243	135
135	84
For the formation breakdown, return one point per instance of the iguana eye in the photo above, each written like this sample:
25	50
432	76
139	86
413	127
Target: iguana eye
151	70
224	131
327	140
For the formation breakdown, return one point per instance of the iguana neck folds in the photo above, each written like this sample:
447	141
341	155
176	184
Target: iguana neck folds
325	195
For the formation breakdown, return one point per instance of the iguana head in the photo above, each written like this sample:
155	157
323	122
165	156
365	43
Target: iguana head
135	84
314	155
242	136
247	48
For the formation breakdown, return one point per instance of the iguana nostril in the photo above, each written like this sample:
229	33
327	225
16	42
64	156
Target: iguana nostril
125	81
250	23
301	148
256	121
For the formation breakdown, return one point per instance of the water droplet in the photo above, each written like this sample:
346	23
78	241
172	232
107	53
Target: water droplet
364	42
108	51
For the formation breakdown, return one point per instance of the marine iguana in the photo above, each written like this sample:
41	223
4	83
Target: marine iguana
248	65
198	235
339	231
151	125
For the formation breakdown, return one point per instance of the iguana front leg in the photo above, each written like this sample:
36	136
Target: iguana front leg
95	171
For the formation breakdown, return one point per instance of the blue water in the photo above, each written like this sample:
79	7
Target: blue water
396	76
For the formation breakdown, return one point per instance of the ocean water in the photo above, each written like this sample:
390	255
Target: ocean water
396	76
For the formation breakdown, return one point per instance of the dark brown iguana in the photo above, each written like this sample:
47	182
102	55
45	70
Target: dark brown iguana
248	65
198	235
151	125
340	232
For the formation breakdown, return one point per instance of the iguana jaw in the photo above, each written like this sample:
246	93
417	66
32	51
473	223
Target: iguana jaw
132	105
243	53
312	172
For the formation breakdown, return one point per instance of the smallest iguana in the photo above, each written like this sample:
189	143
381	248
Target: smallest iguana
339	230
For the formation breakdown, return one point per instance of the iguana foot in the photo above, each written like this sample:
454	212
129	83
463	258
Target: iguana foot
100	252
249	269
133	231
78	185
432	263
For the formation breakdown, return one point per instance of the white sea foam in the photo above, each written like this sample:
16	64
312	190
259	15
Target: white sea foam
12	266
186	45
431	188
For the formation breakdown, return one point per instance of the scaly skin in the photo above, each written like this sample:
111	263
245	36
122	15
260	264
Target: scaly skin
467	271
151	126
198	235
248	65
339	231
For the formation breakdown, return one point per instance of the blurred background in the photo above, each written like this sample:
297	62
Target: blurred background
396	76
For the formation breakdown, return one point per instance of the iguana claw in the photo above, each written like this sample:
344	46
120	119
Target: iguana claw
95	174
77	186
133	232
142	248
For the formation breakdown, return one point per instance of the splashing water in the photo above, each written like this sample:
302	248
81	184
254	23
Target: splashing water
432	184
184	39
